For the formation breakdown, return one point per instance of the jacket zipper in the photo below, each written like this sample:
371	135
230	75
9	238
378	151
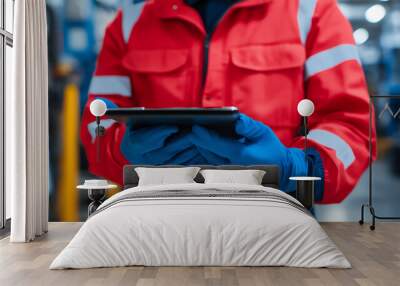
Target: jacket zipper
206	48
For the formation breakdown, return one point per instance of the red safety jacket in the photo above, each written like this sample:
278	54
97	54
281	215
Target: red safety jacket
263	57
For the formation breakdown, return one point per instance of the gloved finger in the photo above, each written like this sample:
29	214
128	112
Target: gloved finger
197	160
172	148
212	141
183	157
148	139
212	158
250	128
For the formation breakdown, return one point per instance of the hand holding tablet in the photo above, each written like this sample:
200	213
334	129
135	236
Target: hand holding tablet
163	135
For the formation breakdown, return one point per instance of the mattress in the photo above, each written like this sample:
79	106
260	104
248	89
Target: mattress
201	225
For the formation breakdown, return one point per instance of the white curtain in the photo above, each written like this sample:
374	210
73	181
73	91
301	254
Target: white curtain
27	123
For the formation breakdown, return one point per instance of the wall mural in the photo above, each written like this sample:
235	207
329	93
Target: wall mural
121	53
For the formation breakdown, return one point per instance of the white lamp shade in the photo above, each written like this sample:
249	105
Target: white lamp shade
98	107
305	107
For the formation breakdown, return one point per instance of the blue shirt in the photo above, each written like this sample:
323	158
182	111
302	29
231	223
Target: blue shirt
211	11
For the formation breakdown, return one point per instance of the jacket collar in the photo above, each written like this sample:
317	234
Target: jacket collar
193	2
179	8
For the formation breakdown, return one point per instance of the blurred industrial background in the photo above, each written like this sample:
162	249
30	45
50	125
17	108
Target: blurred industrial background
76	30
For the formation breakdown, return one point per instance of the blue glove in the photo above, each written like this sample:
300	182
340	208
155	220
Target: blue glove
158	146
212	158
258	145
146	147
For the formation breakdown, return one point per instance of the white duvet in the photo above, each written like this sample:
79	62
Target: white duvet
200	231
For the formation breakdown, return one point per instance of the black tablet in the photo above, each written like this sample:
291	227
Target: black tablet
175	116
220	119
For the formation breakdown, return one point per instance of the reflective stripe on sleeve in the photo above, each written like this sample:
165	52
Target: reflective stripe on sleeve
304	17
330	58
328	139
131	12
106	123
102	85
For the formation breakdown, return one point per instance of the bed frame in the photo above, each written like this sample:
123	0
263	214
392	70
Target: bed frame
270	179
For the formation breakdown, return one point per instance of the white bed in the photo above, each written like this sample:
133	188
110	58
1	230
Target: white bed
184	230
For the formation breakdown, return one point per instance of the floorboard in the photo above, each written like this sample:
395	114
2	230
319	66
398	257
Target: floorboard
375	257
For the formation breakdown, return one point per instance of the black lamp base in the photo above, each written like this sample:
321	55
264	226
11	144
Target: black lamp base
305	193
96	196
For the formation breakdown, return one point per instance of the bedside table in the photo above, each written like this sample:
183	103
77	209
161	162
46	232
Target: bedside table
305	190
96	195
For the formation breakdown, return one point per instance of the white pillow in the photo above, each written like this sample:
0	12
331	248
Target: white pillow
248	177
166	176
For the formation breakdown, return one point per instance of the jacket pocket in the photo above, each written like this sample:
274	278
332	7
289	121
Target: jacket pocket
267	82
265	58
159	77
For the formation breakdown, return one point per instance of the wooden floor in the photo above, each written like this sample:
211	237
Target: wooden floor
375	257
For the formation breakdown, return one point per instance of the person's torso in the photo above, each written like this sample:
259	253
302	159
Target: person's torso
255	60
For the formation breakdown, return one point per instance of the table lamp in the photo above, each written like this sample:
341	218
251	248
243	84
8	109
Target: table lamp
98	108
305	108
305	185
